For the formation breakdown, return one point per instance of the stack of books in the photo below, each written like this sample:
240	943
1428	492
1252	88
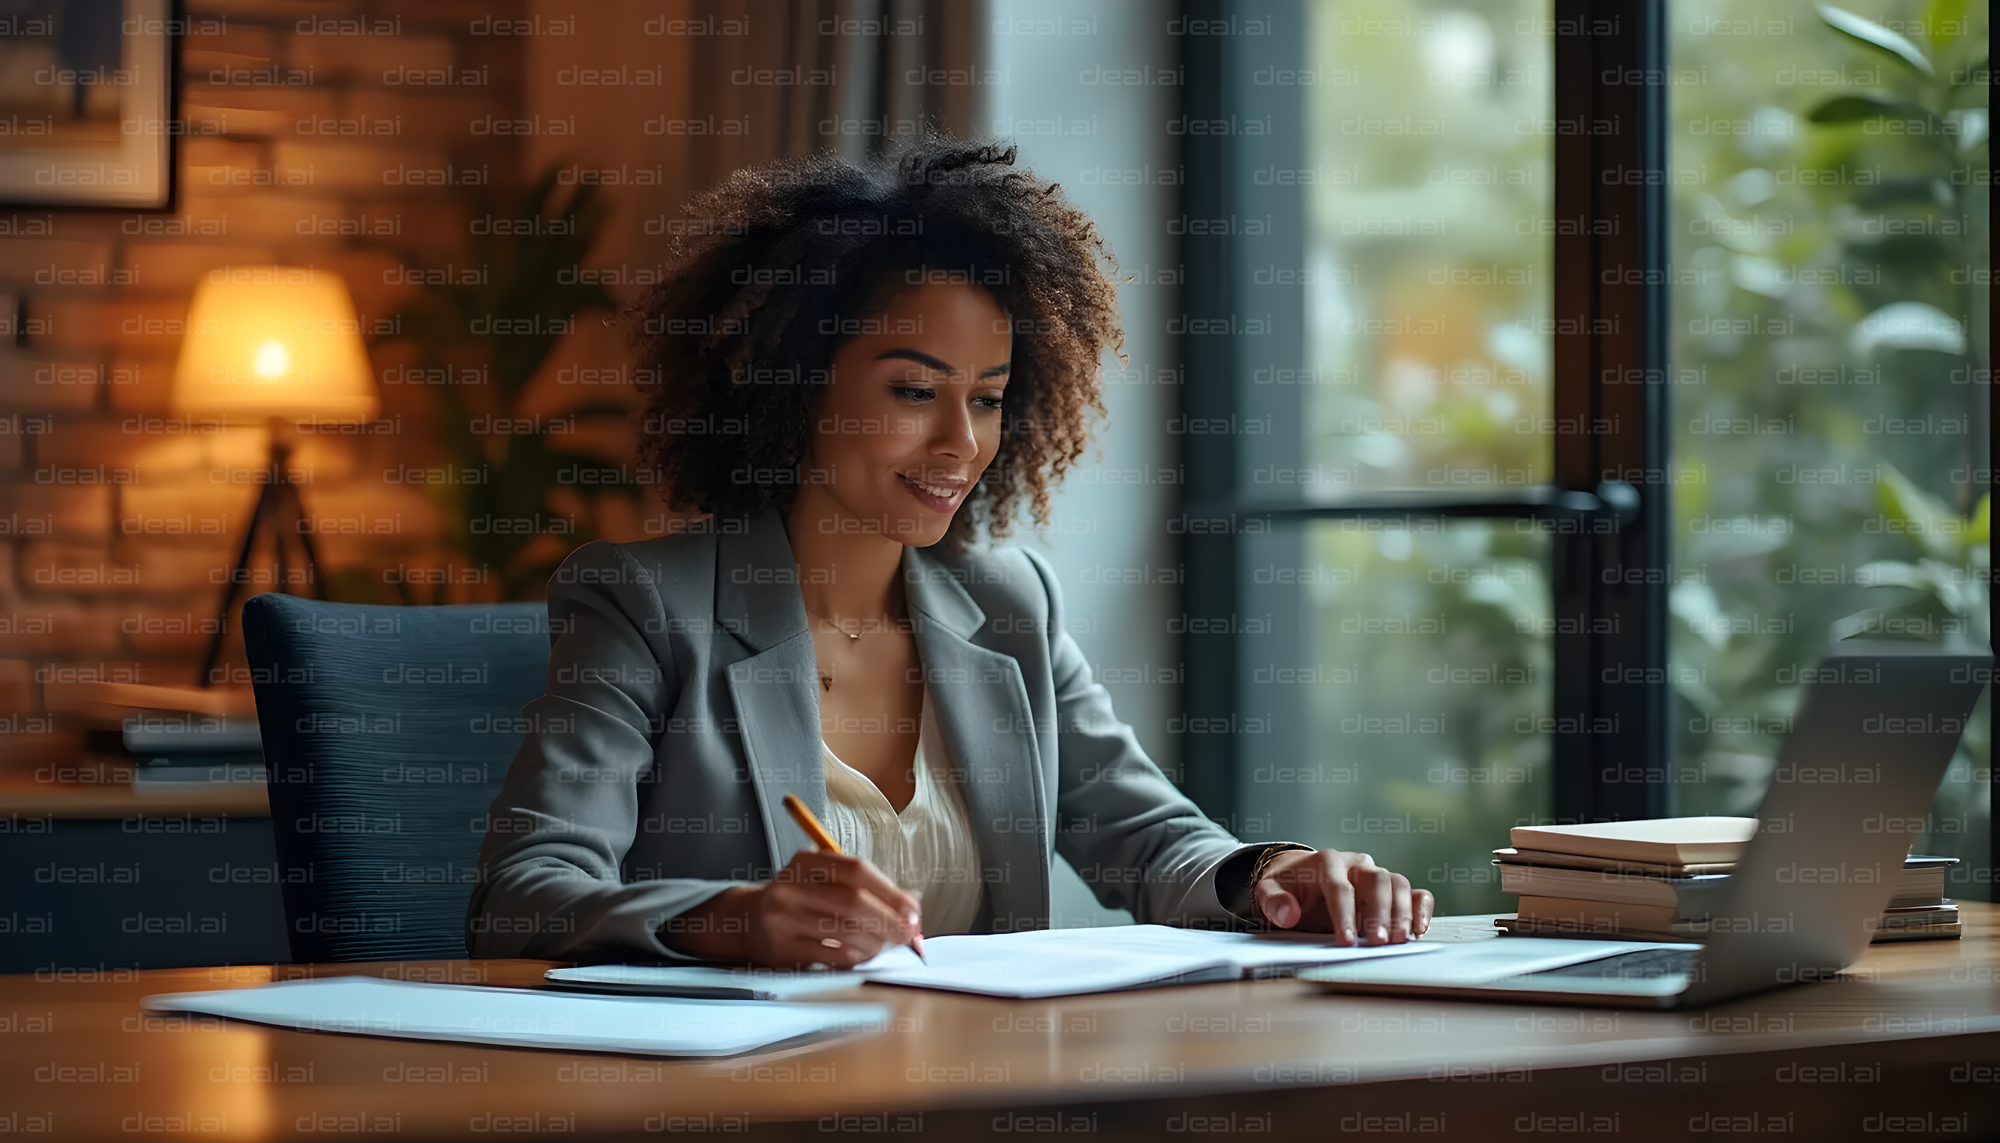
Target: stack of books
166	739
1660	879
169	751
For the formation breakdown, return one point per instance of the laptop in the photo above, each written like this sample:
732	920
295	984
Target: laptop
1875	730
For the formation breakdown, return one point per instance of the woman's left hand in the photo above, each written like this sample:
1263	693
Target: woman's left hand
1346	894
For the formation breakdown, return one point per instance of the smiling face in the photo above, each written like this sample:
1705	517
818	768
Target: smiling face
911	416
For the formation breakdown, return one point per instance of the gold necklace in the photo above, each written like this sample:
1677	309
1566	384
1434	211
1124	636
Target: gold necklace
830	623
826	676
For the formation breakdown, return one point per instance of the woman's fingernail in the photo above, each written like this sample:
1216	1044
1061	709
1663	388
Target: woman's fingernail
1376	932
1347	934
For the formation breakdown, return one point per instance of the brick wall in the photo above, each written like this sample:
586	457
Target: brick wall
316	131
116	519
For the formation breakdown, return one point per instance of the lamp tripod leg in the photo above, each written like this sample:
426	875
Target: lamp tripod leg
266	505
291	493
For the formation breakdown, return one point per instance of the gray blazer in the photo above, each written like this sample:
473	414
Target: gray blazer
683	705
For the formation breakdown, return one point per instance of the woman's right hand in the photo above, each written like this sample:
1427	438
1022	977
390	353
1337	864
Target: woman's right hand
822	908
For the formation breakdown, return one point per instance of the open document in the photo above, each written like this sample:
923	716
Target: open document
1064	962
527	1018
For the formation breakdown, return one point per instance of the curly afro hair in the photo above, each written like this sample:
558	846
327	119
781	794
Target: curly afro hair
736	342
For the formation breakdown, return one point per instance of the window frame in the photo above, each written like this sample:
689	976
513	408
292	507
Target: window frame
1609	508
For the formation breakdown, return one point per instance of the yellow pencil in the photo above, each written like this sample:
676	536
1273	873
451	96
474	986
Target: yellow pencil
803	814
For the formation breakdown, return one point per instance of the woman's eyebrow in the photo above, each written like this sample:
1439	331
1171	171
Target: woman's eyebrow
929	362
916	355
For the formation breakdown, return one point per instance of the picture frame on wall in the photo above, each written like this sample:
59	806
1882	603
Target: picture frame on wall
87	104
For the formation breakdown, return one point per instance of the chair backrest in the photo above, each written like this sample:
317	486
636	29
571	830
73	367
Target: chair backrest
387	731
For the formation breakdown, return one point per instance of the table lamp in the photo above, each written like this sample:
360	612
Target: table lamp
271	345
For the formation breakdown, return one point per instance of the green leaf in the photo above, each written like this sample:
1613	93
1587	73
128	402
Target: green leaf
1931	191
1908	325
1969	84
1919	620
1874	35
1903	251
1926	520
1891	573
1851	109
1982	522
1942	19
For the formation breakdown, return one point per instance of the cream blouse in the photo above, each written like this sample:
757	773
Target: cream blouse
928	848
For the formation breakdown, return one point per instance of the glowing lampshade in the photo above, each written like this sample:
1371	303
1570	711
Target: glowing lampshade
273	341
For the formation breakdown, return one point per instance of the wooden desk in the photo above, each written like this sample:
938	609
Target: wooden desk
1907	1043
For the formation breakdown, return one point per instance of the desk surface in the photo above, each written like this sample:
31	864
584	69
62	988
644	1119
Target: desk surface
78	1058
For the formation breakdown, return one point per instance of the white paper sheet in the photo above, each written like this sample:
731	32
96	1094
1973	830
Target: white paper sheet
1064	962
519	1017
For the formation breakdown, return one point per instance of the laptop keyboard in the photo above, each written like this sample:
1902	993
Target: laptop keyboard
1646	964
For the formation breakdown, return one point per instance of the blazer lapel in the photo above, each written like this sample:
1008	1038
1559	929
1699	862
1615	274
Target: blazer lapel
978	695
982	704
756	584
775	686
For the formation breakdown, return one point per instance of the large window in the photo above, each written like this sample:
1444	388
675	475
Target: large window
1550	333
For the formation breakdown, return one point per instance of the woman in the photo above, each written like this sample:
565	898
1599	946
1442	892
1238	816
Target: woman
853	374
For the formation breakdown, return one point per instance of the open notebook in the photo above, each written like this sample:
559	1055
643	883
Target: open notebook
1025	965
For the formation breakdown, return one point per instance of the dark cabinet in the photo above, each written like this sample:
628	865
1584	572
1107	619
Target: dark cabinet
152	891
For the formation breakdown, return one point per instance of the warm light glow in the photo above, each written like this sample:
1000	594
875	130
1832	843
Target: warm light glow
273	341
272	360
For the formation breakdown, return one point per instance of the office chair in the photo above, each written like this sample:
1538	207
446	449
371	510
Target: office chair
387	731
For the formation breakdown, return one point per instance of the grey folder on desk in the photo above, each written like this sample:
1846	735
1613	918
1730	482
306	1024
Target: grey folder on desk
696	982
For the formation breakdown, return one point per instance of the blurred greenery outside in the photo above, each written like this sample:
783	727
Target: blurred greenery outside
1799	346
1830	254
